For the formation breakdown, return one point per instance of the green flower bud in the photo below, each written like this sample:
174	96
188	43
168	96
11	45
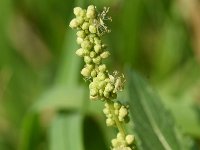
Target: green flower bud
86	45
101	92
93	92
77	11
102	68
117	105
85	26
80	20
92	29
106	111
81	34
97	60
101	76
106	94
122	113
79	40
105	54
97	40
109	87
86	52
93	73
102	84
129	139
109	122
79	52
87	59
85	72
97	48
90	12
74	24
92	54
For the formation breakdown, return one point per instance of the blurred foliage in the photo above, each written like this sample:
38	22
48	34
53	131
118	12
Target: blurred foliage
43	100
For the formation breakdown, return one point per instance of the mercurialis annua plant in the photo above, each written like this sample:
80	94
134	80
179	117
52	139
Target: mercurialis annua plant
104	86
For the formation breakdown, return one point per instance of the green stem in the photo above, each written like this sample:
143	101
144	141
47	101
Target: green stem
117	122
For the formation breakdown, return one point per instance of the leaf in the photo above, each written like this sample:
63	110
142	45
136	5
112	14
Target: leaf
61	98
66	132
153	124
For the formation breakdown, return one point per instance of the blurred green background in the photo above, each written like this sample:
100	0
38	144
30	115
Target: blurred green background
43	99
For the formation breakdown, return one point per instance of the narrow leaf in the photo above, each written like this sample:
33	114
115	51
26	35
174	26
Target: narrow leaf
153	124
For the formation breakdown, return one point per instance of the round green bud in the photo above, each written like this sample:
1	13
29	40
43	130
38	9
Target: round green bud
101	76
106	94
87	59
105	54
117	105
97	48
74	23
79	52
129	139
102	84
92	54
106	111
123	112
109	122
102	68
85	72
92	29
93	73
86	52
79	40
90	12
93	92
80	20
97	60
85	26
86	45
115	143
81	34
109	87
77	11
97	40
101	92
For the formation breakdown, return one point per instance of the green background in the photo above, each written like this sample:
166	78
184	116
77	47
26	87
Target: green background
44	102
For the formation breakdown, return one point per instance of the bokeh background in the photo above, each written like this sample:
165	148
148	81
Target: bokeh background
40	82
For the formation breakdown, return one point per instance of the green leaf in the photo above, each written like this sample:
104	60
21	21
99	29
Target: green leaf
153	124
61	97
66	132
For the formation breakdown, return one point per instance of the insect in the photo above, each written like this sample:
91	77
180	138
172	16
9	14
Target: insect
99	22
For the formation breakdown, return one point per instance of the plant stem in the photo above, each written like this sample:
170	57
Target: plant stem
117	122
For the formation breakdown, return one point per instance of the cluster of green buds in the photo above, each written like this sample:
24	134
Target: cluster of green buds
103	85
123	143
120	111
